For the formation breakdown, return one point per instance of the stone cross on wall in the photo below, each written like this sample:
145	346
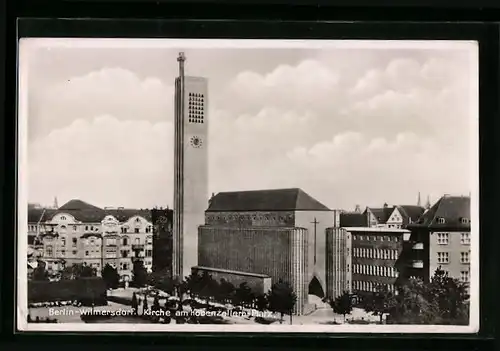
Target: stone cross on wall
315	222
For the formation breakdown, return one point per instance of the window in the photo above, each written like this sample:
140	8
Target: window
136	230
63	218
149	253
464	220
63	252
63	241
110	241
49	251
86	227
86	253
440	220
443	257
465	238
92	241
149	240
464	276
443	238
74	228
137	220
124	253
464	257
125	241
137	241
74	240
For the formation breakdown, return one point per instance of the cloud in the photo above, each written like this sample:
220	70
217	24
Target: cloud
106	161
380	135
114	91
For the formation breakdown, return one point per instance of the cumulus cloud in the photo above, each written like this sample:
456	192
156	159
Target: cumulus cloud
111	90
105	161
380	135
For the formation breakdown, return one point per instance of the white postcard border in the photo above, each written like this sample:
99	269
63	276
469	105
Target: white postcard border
27	46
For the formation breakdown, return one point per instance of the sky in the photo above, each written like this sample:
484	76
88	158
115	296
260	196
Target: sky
348	125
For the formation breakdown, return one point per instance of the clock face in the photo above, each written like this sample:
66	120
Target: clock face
196	141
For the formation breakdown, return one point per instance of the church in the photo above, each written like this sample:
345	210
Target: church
259	236
278	233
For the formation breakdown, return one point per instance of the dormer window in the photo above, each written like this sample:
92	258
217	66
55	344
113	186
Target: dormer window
464	220
63	218
440	220
137	219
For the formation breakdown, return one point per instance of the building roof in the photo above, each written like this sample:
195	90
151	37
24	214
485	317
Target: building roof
410	213
85	213
382	214
227	271
451	208
293	199
375	230
353	219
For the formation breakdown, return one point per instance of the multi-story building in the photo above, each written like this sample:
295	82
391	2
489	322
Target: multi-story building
440	239
375	252
78	232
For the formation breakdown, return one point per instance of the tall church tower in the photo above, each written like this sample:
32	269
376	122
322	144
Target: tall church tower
191	168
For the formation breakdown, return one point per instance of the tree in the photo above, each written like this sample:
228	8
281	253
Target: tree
156	308
206	286
40	273
226	291
110	276
243	295
135	305
443	300
261	302
145	306
140	274
194	284
449	298
379	303
282	299
161	280
342	304
77	271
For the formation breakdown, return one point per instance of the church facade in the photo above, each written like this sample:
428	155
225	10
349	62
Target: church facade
280	233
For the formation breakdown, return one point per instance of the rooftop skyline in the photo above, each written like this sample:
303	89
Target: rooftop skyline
348	126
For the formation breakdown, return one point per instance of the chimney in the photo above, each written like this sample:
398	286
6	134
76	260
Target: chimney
357	209
386	205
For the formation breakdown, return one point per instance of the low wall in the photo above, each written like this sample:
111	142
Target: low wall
86	290
259	283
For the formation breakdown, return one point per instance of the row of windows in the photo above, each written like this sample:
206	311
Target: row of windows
444	238
376	238
380	254
109	241
463	220
372	286
91	228
444	257
49	250
381	271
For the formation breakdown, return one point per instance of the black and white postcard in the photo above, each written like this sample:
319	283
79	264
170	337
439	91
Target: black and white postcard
248	186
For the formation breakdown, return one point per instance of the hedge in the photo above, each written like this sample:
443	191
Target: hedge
84	290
